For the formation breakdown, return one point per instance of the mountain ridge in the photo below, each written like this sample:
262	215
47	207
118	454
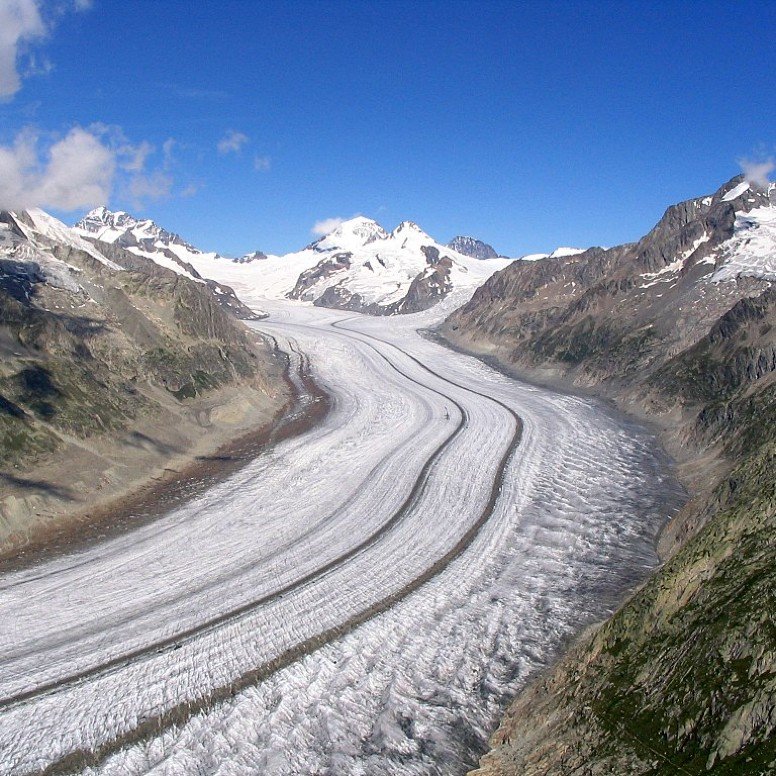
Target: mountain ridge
358	265
678	329
111	366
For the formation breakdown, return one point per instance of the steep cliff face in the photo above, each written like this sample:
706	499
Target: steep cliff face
599	316
680	328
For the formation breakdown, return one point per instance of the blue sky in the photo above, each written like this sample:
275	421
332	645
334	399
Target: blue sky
527	125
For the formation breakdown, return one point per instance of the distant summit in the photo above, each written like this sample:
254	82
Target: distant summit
472	247
358	265
126	231
144	237
350	235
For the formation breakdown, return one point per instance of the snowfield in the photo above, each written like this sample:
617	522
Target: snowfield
752	249
357	256
362	599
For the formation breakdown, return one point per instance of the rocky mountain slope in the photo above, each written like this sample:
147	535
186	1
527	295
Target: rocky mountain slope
105	355
472	247
357	266
144	238
679	328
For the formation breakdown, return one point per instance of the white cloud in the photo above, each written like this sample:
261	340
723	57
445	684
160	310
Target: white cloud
75	172
262	163
79	170
20	23
325	226
157	185
757	172
232	142
190	190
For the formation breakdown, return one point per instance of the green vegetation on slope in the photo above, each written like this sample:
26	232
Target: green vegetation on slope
685	673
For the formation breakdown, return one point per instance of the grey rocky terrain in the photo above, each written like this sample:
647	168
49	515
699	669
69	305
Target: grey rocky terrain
471	246
105	355
142	244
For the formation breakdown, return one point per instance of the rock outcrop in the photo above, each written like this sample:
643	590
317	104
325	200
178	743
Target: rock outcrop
470	246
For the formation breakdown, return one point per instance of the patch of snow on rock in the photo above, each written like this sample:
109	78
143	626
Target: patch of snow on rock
751	252
736	192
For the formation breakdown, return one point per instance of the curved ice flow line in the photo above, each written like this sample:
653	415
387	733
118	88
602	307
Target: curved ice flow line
295	724
294	348
212	624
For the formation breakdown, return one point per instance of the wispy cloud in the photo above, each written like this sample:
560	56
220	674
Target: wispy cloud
73	172
757	171
232	142
190	190
326	225
135	156
154	186
20	23
130	156
37	64
262	163
24	23
167	152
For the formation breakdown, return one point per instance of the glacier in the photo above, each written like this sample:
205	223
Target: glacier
361	599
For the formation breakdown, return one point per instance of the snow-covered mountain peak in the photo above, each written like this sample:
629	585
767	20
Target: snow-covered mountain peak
406	228
404	271
357	265
120	226
98	219
409	233
351	235
743	193
141	236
